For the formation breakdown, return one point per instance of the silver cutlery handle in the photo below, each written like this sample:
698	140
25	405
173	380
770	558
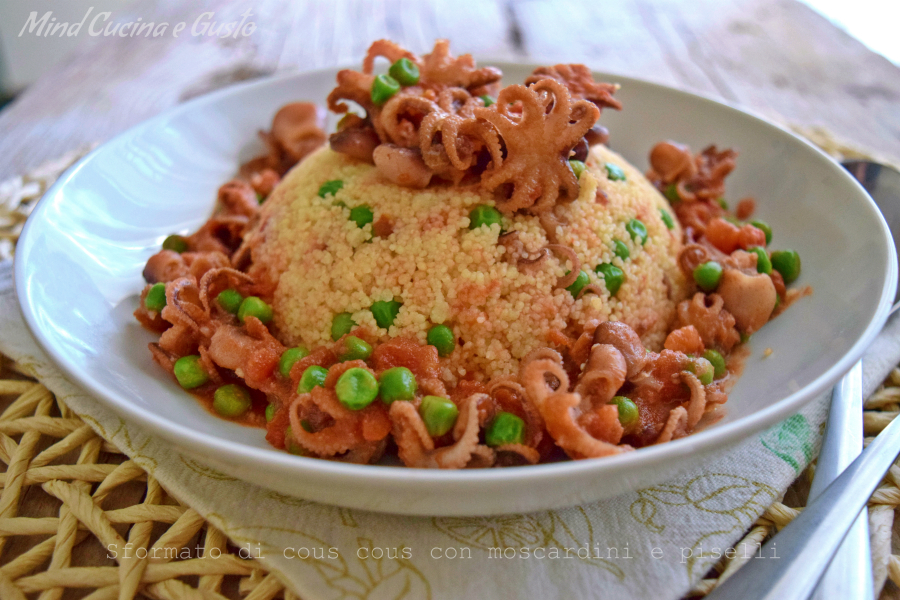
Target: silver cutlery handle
805	547
850	573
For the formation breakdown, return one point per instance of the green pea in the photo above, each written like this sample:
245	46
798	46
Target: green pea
763	264
442	338
397	383
488	101
356	388
354	349
671	193
385	311
745	337
703	369
722	203
577	167
717	361
733	220
484	215
506	428
189	372
765	228
405	71
667	218
260	198
289	357
270	413
176	243
313	376
230	300
579	283
156	297
291	445
252	306
231	400
708	275
342	324
621	250
614	172
439	414
613	277
628	410
787	262
637	230
383	88
330	187
362	215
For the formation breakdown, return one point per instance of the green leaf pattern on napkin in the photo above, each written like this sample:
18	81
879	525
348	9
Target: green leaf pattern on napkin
792	441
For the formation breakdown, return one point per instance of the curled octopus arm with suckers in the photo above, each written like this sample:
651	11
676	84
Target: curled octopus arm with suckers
416	446
326	428
561	410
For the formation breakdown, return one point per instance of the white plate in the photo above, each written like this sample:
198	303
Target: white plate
79	262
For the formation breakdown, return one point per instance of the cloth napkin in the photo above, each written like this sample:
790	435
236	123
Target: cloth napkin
656	542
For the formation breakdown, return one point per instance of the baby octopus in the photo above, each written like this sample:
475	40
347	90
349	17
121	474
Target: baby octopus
537	140
587	422
438	120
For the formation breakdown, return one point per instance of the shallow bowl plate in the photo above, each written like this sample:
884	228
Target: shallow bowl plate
79	262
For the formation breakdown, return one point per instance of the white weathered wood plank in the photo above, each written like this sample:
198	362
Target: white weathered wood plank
775	57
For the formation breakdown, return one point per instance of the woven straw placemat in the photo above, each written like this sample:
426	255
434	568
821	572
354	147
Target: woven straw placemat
68	494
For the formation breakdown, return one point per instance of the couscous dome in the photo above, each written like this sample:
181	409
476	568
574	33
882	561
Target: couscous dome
418	248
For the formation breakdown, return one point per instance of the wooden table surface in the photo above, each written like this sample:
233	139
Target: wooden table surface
775	57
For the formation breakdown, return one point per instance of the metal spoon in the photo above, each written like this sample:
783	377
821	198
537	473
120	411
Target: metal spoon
806	546
850	573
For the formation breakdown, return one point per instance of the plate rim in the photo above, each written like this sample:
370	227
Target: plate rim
182	436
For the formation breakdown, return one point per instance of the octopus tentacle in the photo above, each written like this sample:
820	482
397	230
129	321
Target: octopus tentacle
697	404
534	424
528	453
593	288
418	452
209	366
401	131
675	426
580	83
566	280
353	86
603	375
528	264
558	411
164	359
386	49
183	309
625	340
715	324
534	380
339	437
212	274
482	457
